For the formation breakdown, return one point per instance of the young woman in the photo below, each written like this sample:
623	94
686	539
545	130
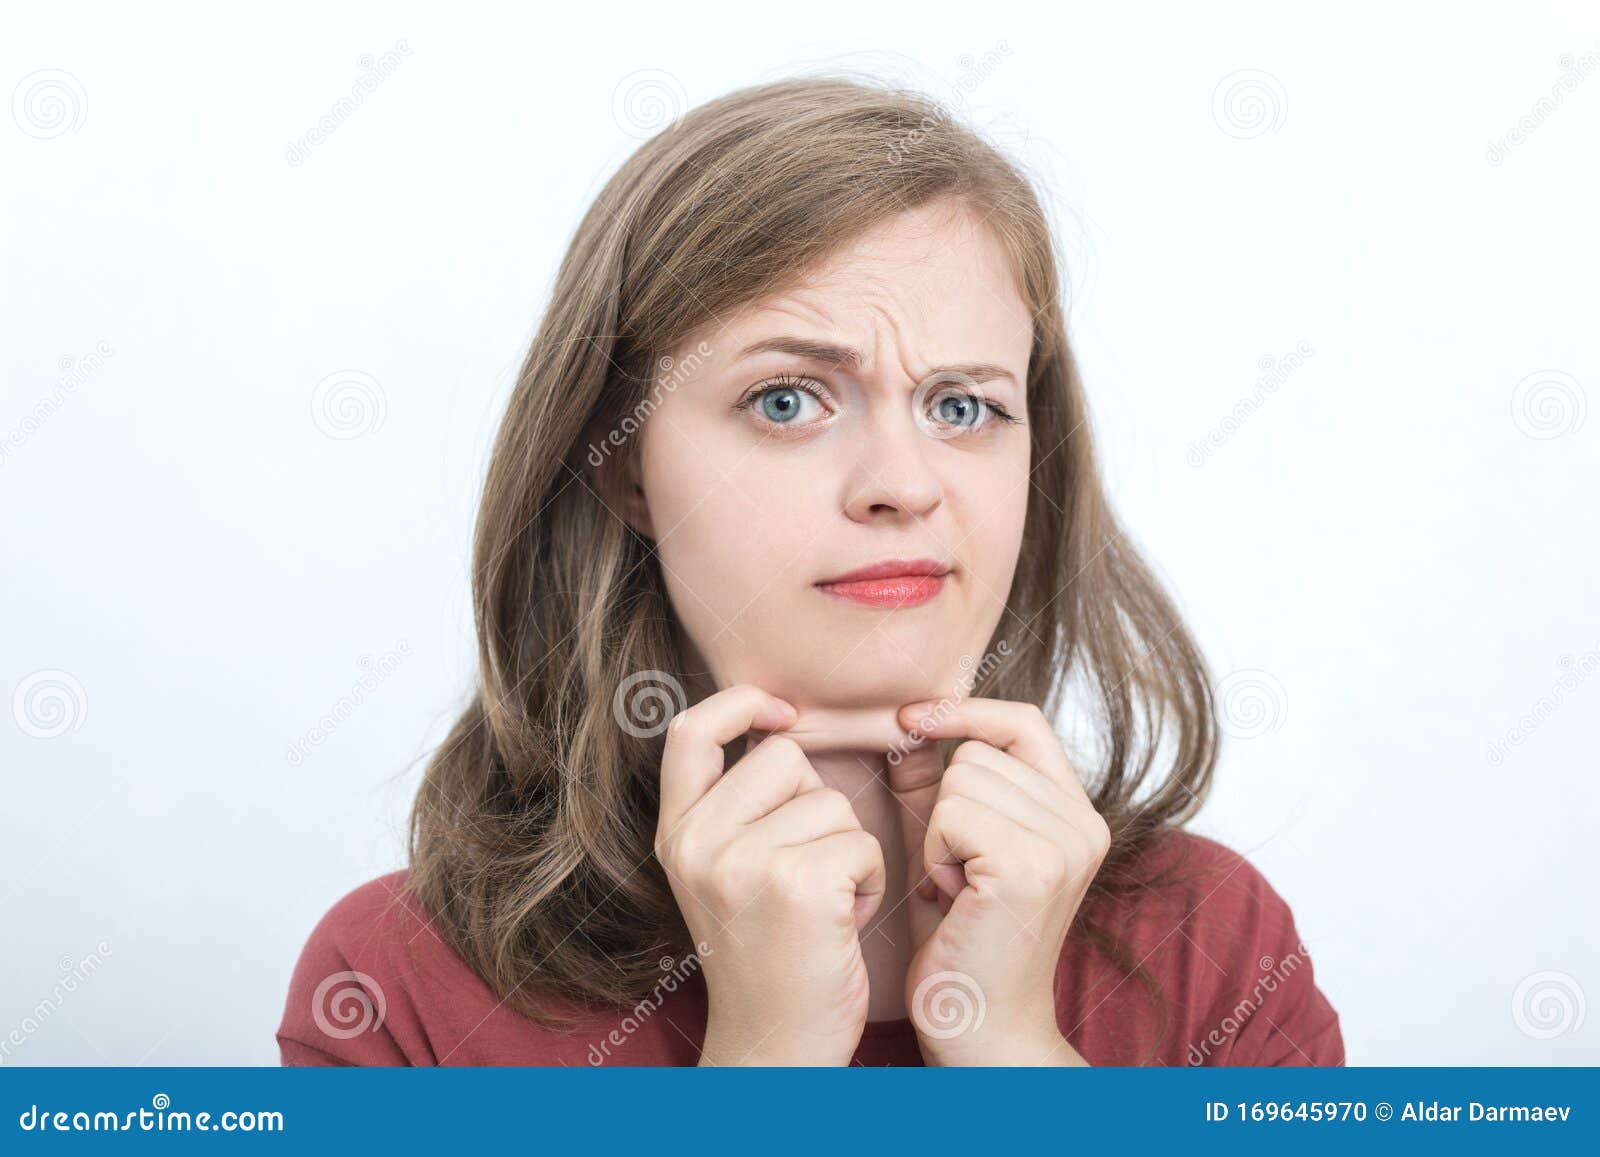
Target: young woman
791	546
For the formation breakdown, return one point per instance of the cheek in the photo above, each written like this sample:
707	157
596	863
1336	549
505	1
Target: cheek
727	532
995	509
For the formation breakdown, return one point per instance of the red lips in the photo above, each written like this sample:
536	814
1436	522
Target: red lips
890	584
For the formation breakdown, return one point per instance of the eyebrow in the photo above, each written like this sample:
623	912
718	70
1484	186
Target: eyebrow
847	358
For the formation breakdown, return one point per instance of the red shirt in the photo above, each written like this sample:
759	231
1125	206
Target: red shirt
376	985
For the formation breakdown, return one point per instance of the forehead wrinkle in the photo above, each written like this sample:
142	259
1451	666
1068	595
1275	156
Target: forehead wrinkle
795	304
863	299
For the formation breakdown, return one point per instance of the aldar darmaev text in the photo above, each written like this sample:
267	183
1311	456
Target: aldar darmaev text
1478	1111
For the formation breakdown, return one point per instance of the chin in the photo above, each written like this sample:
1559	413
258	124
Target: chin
875	679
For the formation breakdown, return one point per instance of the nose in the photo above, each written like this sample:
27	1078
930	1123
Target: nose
893	477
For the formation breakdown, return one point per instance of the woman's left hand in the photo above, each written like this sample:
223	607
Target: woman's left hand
1009	842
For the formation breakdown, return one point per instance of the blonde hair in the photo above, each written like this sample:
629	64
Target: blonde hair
532	831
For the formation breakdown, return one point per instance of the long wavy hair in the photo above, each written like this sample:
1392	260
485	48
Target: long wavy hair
532	833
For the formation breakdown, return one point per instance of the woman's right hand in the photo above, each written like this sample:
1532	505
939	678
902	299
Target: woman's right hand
776	877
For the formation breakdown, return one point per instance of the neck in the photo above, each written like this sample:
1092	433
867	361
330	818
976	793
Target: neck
886	940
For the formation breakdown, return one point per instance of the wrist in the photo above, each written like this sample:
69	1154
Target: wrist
1027	1045
753	1044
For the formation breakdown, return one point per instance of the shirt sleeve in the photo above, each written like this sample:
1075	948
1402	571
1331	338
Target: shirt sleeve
1264	1007
344	1003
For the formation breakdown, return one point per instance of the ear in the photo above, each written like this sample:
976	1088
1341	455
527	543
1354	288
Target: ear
613	472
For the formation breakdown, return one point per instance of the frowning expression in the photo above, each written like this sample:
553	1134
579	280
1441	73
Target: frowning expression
837	488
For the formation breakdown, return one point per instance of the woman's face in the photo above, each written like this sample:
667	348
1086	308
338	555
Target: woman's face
873	412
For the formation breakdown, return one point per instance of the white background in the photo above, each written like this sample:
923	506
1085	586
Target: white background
1393	555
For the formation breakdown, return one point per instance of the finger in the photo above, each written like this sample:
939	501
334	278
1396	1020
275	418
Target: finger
772	774
1048	798
691	762
992	789
962	834
915	769
1036	804
858	857
822	811
1018	729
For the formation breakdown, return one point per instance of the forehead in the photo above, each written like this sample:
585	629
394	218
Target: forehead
936	279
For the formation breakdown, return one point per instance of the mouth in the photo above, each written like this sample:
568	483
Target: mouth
891	584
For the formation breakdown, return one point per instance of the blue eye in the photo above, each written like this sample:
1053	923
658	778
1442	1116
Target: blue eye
786	402
960	410
782	404
953	412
